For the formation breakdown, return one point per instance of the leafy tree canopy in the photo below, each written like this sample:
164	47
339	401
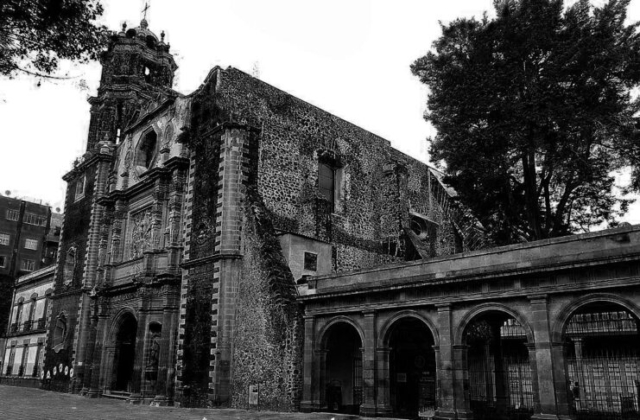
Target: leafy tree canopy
534	110
36	34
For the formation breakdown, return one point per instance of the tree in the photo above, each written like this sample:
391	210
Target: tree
534	111
36	34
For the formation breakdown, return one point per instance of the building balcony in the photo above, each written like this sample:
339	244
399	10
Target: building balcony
14	328
26	326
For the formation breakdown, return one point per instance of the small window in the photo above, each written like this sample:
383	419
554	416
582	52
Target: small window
28	265
4	238
326	181
310	261
80	186
13	214
34	219
31	244
3	261
147	150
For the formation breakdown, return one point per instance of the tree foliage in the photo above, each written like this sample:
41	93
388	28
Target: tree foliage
534	110
36	34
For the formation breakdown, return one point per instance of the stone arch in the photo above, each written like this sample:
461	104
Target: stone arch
562	320
384	333
147	148
118	320
407	346
322	335
490	307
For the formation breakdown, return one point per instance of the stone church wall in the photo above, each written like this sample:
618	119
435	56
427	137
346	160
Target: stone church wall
68	277
268	336
377	185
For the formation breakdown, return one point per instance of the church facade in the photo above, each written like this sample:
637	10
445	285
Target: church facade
190	219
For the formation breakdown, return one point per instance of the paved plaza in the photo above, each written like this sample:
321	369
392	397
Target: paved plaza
18	403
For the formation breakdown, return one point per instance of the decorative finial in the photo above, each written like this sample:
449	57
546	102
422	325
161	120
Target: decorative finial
162	36
146	7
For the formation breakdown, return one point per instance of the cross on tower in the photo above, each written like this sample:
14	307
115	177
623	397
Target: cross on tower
146	7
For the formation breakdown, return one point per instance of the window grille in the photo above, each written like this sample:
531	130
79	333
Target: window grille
13	214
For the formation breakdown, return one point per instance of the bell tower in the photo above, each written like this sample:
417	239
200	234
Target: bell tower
136	67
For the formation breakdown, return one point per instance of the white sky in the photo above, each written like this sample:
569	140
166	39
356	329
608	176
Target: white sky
349	57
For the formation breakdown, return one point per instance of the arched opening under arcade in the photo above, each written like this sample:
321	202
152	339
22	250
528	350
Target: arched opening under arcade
499	372
124	355
412	368
603	362
343	369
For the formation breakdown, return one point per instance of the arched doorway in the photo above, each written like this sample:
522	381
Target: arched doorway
124	355
603	362
412	368
499	372
343	369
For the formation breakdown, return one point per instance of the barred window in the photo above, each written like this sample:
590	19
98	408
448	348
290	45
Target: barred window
13	214
28	265
34	219
4	238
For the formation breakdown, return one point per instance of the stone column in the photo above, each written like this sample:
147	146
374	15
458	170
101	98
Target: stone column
531	347
91	368
451	370
320	367
383	383
461	381
171	360
368	407
560	376
544	369
138	369
160	398
309	379
95	389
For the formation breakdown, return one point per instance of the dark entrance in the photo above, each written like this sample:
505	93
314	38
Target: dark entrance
603	363
500	379
124	354
343	380
412	369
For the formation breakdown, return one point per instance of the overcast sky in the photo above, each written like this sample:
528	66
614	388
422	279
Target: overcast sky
348	57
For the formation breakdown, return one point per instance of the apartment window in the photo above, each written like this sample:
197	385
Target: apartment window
34	219
80	186
13	214
31	244
3	261
4	238
28	265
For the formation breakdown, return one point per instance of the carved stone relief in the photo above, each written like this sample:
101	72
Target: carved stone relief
141	233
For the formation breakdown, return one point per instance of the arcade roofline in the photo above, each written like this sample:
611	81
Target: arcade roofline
594	248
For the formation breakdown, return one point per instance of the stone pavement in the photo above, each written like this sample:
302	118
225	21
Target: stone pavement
18	403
